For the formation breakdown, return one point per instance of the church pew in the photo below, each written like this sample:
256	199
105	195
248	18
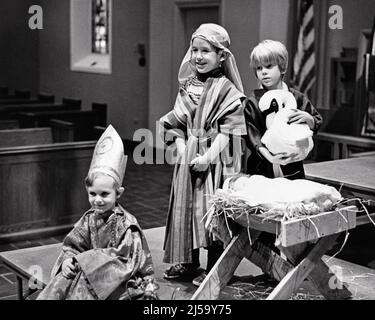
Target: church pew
58	131
12	111
42	188
25	137
4	91
362	154
330	146
63	131
18	94
9	124
81	118
40	98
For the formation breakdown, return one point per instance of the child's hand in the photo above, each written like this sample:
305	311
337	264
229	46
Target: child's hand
300	116
181	146
181	150
69	268
279	158
283	158
199	163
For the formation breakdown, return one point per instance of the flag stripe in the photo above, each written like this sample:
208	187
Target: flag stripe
309	53
306	68
304	58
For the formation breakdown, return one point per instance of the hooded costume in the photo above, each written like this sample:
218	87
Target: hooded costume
207	104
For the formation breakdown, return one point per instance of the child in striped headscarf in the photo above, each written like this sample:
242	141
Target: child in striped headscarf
206	124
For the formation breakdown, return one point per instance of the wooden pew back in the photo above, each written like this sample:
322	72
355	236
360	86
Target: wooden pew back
4	91
13	112
40	98
329	146
42	187
9	124
63	131
42	118
18	94
81	122
25	137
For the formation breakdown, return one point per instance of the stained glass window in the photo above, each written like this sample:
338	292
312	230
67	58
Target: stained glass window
100	26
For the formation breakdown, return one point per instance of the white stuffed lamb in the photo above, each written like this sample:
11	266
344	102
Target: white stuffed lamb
280	136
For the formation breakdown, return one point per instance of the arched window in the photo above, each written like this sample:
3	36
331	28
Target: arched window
90	35
100	26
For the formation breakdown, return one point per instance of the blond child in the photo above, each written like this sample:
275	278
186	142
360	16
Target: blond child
269	62
106	255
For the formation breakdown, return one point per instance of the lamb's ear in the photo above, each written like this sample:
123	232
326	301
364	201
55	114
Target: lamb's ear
274	105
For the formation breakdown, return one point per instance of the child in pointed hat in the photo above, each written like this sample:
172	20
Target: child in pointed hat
105	255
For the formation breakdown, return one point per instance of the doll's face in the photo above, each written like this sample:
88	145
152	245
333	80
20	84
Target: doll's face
204	56
103	194
270	76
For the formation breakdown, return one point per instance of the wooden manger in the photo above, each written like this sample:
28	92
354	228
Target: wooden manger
304	228
301	243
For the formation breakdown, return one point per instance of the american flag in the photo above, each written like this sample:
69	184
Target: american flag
303	76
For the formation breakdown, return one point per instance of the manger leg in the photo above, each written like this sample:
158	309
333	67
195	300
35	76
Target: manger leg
268	260
320	276
292	281
224	268
239	247
19	288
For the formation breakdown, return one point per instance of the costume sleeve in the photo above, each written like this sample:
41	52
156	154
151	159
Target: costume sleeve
254	125
76	241
305	104
173	124
226	114
106	269
233	122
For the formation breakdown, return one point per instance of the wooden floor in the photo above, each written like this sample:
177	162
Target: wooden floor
147	195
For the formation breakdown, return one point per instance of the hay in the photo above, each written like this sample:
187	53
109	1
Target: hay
222	202
249	291
261	290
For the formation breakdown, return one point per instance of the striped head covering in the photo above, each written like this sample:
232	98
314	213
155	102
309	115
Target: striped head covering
217	36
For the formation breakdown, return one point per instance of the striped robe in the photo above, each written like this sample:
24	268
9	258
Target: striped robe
219	110
113	256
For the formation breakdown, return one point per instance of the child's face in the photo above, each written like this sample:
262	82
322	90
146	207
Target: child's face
270	76
102	194
204	56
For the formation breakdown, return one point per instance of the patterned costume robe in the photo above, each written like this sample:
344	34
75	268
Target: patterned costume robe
113	257
219	110
256	127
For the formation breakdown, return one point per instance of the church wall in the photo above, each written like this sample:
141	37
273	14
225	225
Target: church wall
125	90
19	58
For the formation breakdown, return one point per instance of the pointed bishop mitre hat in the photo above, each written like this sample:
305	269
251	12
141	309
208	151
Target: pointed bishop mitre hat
109	155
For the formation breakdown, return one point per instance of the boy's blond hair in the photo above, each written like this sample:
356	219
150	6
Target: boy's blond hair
89	180
269	52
